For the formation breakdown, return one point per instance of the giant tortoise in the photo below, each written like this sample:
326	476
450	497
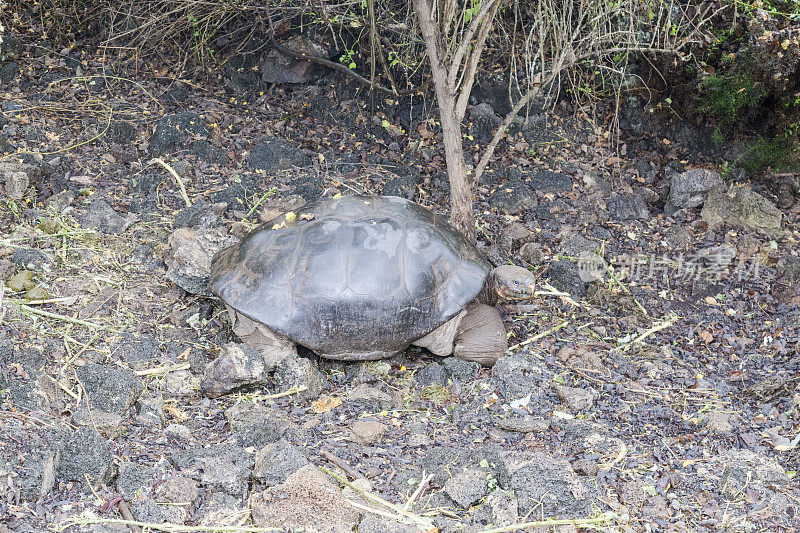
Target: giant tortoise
362	277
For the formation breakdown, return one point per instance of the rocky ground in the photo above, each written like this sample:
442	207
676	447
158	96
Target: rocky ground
653	390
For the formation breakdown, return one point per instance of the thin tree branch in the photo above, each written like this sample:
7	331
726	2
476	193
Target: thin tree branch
377	45
468	76
429	35
477	20
332	64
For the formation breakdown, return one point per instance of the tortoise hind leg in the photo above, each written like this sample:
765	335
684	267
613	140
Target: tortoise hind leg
273	346
481	335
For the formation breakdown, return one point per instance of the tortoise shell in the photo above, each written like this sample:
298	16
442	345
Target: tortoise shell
351	278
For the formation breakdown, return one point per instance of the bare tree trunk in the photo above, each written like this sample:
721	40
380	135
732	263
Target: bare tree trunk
462	216
449	96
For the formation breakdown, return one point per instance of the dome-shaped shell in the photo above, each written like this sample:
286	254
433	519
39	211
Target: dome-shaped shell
356	277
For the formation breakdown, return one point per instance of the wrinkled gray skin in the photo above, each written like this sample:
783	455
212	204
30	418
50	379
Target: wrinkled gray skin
359	278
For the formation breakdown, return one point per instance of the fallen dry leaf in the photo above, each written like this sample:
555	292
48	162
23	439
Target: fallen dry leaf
325	404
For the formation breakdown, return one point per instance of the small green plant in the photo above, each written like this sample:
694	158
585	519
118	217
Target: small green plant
348	58
14	208
772	153
717	137
727	95
725	170
435	394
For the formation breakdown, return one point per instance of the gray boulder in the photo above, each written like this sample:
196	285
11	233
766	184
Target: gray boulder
739	205
689	189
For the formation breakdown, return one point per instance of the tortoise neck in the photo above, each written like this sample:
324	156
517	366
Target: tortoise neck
488	294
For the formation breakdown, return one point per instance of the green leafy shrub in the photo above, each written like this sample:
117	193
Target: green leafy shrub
725	96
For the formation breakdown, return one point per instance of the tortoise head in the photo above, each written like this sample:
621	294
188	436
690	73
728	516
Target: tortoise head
510	282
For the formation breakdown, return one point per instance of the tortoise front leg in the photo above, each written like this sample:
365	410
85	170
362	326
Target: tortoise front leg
481	335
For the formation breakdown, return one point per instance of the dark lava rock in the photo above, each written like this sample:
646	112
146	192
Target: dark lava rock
741	206
689	189
240	77
519	375
543	482
441	461
220	504
575	245
308	187
497	94
150	412
110	388
209	153
627	207
9	71
175	95
739	469
223	467
194	458
366	398
545	213
513	197
224	474
31	453
460	370
10	48
565	276
484	122
470	414
499	509
121	132
467	487
299	372
144	196
27	391
102	217
137	352
280	68
277	461
172	129
236	193
178	489
433	374
258	426
5	146
199	215
189	265
237	366
788	269
84	452
18	176
271	155
549	182
402	186
32	259
146	509
135	479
